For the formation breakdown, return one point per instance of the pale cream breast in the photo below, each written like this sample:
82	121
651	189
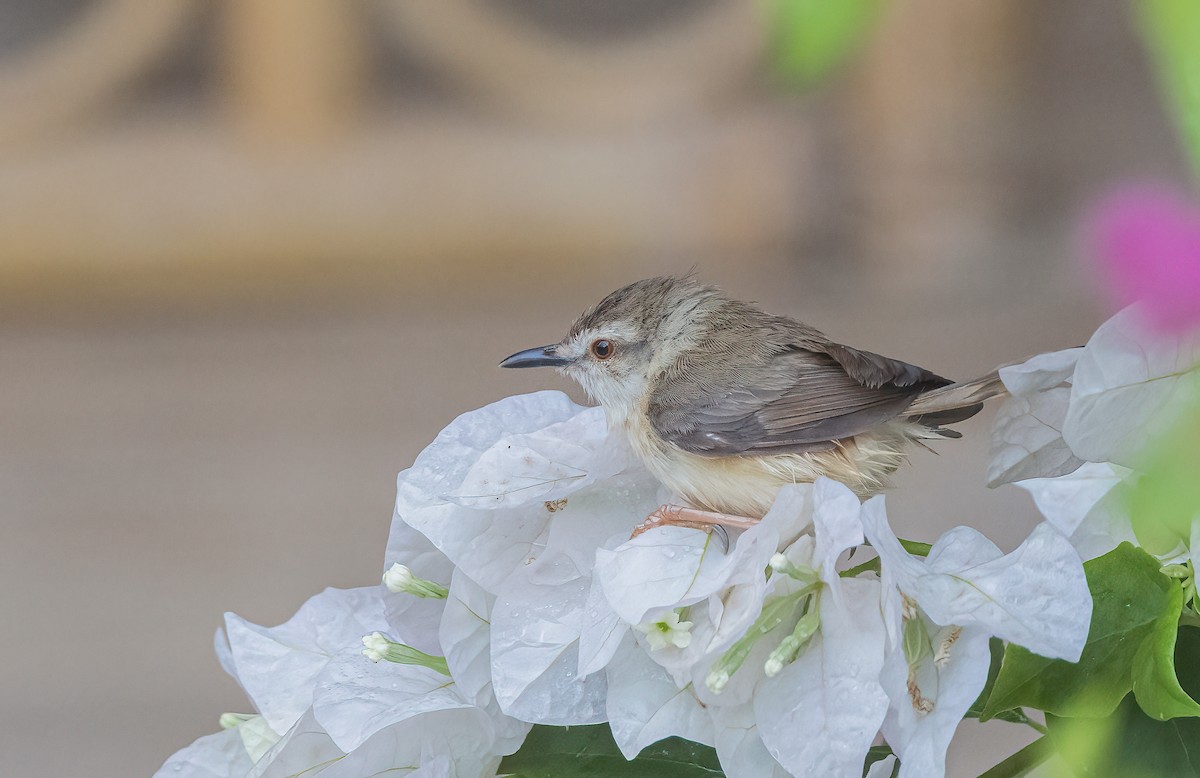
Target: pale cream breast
746	485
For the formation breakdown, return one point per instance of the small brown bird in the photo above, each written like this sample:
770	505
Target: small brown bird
725	403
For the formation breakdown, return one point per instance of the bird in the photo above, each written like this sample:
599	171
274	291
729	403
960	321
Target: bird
725	403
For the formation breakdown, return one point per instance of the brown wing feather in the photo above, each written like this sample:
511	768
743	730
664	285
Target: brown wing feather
802	394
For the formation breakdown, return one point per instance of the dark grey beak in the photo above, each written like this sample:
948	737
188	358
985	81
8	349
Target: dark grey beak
542	356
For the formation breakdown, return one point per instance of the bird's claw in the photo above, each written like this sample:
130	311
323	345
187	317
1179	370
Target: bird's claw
677	516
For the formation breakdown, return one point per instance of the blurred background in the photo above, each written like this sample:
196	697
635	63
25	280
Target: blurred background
254	254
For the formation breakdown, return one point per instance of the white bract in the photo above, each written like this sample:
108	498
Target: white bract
486	490
1027	440
940	611
519	495
668	568
1086	506
820	715
435	745
220	755
278	666
358	714
1125	389
645	705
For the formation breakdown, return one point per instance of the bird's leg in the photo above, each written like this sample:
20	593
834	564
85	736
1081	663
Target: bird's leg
679	516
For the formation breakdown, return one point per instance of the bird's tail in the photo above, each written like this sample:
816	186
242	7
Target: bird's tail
955	402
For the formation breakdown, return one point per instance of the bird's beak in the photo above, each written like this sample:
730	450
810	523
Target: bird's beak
542	356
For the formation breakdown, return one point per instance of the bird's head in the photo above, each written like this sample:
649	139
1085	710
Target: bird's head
617	349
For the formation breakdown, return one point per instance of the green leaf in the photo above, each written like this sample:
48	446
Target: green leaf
1155	684
1132	603
996	646
1128	744
811	37
1171	29
879	753
1013	716
591	752
1165	499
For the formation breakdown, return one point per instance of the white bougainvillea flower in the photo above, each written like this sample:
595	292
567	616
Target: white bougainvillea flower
415	617
257	736
1027	440
1086	506
465	632
316	659
434	745
648	578
1036	596
739	747
645	705
540	609
667	568
278	666
519	495
821	713
931	690
220	755
487	489
355	699
1125	387
940	611
535	650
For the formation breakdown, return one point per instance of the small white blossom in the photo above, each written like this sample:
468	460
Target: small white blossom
375	647
667	631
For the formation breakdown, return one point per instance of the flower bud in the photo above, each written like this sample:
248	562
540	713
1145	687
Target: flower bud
399	579
781	564
231	720
257	736
716	681
916	641
376	647
774	612
787	651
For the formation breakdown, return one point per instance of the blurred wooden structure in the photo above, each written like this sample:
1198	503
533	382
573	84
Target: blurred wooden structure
547	148
934	128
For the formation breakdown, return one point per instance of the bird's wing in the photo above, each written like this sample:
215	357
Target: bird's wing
800	398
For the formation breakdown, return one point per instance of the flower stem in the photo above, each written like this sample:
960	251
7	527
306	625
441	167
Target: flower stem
914	547
1024	761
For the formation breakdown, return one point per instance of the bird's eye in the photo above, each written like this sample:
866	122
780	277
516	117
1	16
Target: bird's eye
603	349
